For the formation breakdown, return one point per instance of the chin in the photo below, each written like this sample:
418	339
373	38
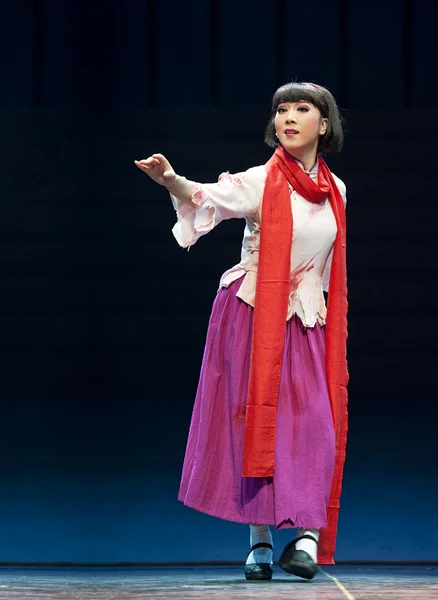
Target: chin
291	143
292	147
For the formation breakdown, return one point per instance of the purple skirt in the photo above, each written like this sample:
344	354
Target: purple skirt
298	493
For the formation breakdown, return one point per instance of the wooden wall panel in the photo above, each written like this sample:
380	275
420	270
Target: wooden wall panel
16	52
424	53
215	52
248	70
182	53
67	65
375	46
312	46
132	43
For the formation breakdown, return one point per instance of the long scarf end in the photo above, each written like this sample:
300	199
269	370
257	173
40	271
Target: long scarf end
258	473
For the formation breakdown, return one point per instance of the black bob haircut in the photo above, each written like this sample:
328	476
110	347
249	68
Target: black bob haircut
324	101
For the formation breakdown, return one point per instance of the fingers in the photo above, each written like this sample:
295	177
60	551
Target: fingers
148	162
142	166
157	167
148	165
155	159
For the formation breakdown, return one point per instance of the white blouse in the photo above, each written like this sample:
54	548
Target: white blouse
314	233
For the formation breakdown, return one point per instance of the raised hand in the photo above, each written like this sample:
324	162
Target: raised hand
158	168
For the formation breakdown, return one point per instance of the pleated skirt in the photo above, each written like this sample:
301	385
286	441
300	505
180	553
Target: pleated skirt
211	482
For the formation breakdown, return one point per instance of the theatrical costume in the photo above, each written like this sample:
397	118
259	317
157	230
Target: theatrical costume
268	431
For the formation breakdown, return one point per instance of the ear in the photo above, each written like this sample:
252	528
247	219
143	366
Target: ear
323	127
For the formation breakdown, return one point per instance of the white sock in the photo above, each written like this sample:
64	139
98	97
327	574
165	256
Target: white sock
307	545
260	534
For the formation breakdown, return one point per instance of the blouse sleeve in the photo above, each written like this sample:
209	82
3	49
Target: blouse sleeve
233	196
328	264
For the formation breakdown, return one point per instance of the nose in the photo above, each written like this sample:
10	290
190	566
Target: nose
290	118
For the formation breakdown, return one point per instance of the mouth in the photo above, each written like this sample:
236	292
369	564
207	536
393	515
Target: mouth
291	132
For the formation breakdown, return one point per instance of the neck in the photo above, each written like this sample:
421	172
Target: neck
306	157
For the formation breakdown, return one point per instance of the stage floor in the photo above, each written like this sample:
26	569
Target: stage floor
220	583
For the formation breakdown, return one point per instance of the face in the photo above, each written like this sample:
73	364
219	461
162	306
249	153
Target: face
298	126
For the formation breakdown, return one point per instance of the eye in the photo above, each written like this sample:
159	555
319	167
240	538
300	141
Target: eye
304	109
281	109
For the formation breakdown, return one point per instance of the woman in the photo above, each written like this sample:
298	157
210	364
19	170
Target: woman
267	438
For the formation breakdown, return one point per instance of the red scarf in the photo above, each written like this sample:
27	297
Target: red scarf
270	315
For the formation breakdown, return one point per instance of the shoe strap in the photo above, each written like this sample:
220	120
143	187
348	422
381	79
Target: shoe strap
306	536
260	545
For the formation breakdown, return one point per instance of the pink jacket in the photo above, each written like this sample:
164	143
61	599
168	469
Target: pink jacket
240	196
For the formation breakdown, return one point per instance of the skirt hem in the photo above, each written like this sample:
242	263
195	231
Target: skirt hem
284	524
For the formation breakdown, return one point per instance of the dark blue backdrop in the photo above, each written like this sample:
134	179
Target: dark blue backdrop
103	317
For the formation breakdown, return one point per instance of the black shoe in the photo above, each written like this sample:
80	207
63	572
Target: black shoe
298	562
259	570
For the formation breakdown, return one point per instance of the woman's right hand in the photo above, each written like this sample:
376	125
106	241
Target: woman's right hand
158	168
